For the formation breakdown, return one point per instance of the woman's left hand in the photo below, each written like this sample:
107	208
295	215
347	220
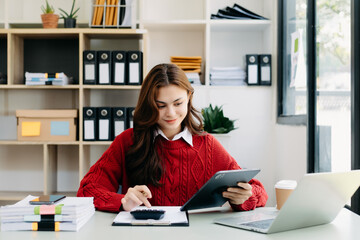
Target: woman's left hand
238	195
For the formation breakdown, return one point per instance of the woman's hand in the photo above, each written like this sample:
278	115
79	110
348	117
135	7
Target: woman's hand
136	196
238	195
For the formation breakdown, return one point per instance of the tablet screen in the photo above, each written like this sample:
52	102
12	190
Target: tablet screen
210	194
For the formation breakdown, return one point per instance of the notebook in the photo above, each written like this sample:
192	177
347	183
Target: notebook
317	200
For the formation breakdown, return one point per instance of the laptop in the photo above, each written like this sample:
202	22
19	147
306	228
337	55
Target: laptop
317	200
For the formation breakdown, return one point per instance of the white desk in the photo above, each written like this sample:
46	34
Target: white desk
346	226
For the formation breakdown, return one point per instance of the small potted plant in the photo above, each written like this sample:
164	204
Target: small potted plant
215	121
48	18
69	18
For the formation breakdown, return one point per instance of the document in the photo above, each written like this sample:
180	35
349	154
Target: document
173	217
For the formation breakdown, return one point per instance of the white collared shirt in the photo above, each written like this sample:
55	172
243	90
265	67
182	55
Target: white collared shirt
185	134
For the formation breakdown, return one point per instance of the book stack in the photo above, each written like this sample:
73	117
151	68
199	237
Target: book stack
236	12
191	65
35	79
69	214
227	76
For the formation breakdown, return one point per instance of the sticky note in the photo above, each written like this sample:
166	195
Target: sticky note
296	45
59	128
47	210
30	129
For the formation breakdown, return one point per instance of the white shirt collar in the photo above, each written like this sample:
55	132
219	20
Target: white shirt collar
185	134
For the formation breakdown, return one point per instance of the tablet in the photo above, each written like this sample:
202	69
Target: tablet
210	194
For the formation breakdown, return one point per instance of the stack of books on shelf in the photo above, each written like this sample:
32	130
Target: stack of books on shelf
69	214
35	79
227	76
236	12
191	65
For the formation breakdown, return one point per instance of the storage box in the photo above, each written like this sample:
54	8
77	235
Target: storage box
46	125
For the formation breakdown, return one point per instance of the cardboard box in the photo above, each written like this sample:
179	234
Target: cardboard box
46	125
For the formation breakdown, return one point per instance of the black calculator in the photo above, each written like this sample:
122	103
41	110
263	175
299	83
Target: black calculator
143	214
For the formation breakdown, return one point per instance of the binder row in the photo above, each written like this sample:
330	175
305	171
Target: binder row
113	67
105	123
258	69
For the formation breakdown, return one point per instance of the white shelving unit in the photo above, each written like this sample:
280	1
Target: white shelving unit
172	27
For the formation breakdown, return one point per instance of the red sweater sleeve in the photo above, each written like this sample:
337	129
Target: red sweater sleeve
259	195
104	177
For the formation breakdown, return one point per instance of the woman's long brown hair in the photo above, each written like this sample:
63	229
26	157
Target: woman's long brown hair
143	163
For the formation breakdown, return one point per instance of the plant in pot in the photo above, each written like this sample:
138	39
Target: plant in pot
48	18
69	18
215	121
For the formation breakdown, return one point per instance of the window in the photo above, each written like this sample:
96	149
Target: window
292	78
328	42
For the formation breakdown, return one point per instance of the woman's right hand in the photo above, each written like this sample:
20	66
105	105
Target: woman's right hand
136	196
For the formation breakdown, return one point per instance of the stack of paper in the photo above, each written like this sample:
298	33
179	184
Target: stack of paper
236	12
227	76
58	79
190	65
69	214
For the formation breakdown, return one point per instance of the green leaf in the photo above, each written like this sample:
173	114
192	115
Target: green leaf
215	121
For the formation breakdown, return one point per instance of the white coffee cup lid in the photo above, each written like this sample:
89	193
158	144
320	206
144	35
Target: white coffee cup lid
286	184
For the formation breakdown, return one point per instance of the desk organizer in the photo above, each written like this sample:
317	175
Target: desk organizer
113	14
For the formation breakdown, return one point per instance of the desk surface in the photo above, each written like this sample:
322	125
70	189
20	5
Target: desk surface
345	226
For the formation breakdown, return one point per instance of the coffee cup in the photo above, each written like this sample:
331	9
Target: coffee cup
283	189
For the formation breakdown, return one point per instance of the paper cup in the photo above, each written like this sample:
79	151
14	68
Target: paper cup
283	189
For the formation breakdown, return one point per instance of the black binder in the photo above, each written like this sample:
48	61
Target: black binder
89	67
104	67
104	124
130	117
252	69
265	69
135	67
90	124
119	120
118	67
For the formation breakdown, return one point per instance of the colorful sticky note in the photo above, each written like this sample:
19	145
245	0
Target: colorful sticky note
60	128
30	129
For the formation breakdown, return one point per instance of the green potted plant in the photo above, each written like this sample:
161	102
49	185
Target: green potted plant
49	18
215	121
69	18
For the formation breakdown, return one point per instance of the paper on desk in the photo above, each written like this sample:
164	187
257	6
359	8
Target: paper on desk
173	216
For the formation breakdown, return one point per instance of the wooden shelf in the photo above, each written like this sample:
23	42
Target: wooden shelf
19	195
123	87
67	45
37	143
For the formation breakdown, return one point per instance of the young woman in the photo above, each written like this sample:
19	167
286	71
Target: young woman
166	157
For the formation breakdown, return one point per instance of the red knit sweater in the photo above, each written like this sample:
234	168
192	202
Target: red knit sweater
186	170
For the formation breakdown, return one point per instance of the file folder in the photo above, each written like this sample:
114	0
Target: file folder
90	67
252	69
118	67
90	124
265	69
104	61
104	124
119	120
130	117
135	67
